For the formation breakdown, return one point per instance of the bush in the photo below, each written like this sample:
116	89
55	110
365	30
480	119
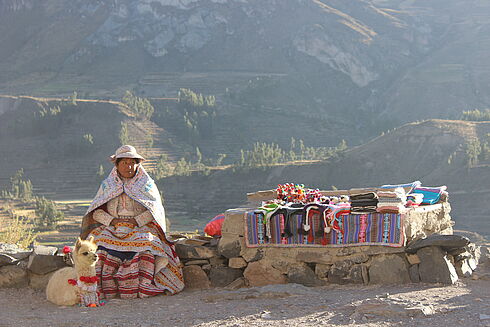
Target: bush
476	115
140	107
17	231
47	213
20	189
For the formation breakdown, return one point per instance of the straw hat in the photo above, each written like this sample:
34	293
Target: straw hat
126	151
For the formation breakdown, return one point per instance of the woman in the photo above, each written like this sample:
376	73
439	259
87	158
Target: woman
127	220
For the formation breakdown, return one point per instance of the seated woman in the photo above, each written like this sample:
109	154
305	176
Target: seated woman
127	220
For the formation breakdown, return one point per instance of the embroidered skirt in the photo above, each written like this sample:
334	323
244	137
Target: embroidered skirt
135	276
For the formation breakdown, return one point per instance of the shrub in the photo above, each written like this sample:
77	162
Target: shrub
17	231
47	213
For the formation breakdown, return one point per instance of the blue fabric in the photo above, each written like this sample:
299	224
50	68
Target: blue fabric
411	185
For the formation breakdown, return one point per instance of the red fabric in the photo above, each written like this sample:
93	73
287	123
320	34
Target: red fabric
214	226
72	282
89	280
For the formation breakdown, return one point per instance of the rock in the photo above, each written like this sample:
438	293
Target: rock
388	309
339	272
434	266
234	222
463	269
206	268
413	259
217	261
197	262
6	259
413	271
237	262
185	251
357	274
13	277
321	270
45	250
303	275
388	269
314	257
195	278
42	263
39	282
223	276
251	254
260	273
359	258
237	283
229	246
447	242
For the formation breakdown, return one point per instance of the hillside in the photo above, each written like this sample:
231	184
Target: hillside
373	63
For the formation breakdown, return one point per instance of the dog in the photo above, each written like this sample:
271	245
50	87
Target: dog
76	285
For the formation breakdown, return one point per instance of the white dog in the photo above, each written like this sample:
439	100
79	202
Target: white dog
78	284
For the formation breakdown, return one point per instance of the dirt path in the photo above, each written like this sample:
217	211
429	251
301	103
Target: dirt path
465	304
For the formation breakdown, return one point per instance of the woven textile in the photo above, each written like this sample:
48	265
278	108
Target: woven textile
347	230
136	277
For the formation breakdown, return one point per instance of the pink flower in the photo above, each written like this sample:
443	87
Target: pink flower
66	249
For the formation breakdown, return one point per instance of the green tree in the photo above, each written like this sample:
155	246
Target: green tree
124	134
473	150
47	213
163	168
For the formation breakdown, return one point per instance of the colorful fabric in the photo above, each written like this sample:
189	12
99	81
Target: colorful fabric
431	194
136	277
140	188
349	230
408	186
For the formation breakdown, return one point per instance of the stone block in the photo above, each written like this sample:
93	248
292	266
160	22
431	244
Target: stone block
223	276
413	259
6	259
413	272
304	275
234	221
321	270
43	263
197	262
463	269
356	274
39	282
435	267
339	272
237	283
447	242
315	257
251	254
195	278
229	246
13	277
237	262
186	251
45	250
259	273
217	261
388	269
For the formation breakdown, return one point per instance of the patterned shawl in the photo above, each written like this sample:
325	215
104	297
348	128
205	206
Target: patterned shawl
140	188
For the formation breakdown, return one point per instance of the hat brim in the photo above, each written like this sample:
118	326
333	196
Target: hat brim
113	158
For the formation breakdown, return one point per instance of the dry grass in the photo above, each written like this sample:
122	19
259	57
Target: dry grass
17	231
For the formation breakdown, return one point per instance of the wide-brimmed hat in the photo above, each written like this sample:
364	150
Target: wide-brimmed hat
126	151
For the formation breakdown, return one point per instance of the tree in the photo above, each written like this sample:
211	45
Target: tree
124	134
47	213
163	168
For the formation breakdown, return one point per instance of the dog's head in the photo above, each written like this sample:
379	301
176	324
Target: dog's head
85	252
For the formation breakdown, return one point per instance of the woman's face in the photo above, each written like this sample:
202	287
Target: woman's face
127	167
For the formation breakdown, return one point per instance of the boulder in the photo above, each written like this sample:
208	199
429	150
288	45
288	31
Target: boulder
237	262
6	259
223	276
251	254
321	270
315	257
259	273
229	246
339	272
435	267
463	269
13	277
39	282
44	263
197	252
217	261
358	275
447	242
304	275
237	283
45	250
234	222
388	269
413	271
197	262
195	278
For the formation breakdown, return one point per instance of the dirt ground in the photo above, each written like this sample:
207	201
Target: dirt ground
467	303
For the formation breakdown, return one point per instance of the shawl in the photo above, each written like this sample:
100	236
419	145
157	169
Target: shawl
140	188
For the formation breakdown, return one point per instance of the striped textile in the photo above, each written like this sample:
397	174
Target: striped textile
347	230
136	277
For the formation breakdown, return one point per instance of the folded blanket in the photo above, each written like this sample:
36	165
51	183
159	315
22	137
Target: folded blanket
408	186
431	194
364	203
364	196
